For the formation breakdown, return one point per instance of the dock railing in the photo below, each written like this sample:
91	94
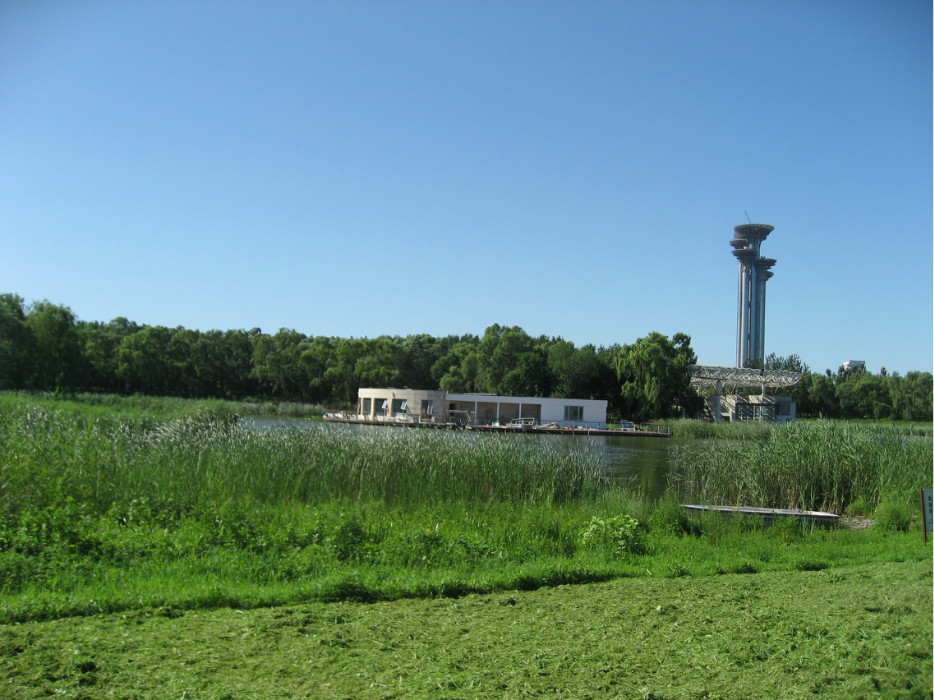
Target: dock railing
464	419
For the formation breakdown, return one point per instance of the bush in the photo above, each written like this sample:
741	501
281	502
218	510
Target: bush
859	508
670	518
621	534
893	516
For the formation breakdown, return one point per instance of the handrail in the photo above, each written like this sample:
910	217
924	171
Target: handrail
621	427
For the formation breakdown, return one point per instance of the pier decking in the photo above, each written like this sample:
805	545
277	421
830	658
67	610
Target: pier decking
644	430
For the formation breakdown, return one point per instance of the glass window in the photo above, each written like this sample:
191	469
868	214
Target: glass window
573	413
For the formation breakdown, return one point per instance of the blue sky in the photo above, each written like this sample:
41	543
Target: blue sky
362	168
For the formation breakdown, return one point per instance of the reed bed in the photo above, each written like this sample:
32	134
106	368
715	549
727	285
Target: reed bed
176	466
814	465
121	511
692	428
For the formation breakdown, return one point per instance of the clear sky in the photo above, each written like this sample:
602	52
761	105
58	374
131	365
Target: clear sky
357	168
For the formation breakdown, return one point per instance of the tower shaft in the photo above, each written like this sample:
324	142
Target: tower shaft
754	272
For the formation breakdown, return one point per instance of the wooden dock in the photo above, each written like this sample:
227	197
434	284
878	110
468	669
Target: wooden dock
653	431
770	515
545	430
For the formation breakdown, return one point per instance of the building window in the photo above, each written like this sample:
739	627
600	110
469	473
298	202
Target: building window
427	407
573	413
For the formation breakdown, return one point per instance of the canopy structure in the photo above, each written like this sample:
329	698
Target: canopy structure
705	375
718	377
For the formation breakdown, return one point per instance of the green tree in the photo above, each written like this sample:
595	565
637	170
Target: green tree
911	395
379	364
277	366
318	355
862	395
786	363
456	371
575	372
101	343
57	360
234	362
653	376
512	363
144	364
417	356
15	342
342	374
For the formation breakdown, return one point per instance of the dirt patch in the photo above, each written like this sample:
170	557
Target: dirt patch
856	523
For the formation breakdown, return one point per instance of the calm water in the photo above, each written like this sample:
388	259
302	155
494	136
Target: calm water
641	461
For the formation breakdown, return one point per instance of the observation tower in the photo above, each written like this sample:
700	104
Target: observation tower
754	272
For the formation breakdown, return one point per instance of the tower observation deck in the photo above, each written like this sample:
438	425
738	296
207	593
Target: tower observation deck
754	272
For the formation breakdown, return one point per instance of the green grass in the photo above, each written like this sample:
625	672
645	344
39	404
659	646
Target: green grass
107	407
859	631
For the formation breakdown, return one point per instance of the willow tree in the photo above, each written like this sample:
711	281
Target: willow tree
654	379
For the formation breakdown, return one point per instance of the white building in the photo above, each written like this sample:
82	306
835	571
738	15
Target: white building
439	407
849	365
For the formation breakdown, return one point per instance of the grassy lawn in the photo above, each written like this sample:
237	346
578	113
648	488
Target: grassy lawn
851	632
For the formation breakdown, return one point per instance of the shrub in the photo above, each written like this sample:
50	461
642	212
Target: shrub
859	508
670	518
893	515
621	534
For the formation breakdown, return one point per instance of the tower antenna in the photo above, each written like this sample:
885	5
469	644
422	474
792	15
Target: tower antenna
747	216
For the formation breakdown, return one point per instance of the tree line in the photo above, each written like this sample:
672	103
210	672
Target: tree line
43	346
857	393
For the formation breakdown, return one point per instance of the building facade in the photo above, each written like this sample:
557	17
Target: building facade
379	405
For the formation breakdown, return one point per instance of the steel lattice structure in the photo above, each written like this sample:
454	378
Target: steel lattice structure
705	375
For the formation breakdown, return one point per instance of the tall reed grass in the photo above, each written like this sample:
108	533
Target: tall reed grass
178	465
729	430
825	465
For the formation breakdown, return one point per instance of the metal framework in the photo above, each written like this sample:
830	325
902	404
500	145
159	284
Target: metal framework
705	375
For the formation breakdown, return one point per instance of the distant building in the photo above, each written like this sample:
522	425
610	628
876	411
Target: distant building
854	365
389	405
756	407
741	407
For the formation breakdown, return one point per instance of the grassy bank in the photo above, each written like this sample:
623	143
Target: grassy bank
106	407
850	632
